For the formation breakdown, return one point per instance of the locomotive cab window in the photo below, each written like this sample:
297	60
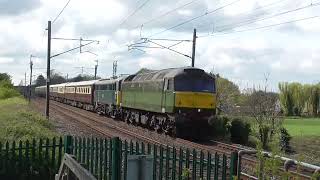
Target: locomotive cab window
195	84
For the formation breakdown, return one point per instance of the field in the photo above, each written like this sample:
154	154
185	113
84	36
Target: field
19	122
303	126
305	134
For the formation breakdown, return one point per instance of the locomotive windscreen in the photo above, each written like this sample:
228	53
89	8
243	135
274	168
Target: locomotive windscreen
195	84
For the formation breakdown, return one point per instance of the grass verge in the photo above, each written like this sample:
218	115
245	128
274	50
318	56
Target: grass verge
19	122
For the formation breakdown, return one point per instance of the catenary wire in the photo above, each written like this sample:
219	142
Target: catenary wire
133	13
252	11
61	12
197	17
250	21
166	13
261	27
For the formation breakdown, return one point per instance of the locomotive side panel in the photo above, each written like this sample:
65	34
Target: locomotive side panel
105	94
146	96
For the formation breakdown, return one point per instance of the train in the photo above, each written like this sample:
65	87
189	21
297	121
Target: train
178	101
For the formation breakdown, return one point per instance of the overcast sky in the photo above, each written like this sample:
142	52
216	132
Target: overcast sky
288	52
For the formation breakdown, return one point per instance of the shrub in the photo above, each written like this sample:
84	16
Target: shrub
239	131
7	90
285	141
6	93
252	141
220	126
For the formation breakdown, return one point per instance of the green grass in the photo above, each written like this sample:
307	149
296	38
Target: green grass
303	126
19	122
305	141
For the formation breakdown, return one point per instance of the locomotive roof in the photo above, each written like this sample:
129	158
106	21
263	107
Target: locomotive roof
108	81
164	73
81	83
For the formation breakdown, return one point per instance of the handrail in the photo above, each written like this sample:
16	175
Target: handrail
70	164
287	161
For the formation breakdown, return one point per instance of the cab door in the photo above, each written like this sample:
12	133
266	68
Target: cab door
167	96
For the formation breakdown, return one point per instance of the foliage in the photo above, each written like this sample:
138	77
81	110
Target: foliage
269	166
186	173
56	78
40	81
228	95
297	99
81	78
5	77
220	126
19	123
6	87
264	109
285	141
239	131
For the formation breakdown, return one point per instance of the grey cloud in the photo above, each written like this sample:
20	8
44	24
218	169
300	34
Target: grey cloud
17	7
205	24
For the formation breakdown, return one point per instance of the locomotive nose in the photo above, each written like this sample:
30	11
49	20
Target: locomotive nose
198	100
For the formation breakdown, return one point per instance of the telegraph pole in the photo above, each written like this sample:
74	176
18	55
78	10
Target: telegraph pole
193	47
48	70
25	85
31	64
114	67
95	70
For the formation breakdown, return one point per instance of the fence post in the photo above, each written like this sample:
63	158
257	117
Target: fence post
116	161
68	144
233	165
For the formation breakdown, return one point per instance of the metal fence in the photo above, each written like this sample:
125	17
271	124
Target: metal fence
35	159
107	159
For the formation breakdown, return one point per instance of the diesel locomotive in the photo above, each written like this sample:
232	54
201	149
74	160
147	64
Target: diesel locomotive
177	101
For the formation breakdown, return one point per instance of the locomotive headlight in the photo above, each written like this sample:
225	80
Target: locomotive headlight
199	110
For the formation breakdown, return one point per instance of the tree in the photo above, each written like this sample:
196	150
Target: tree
264	107
286	98
40	81
57	79
80	77
315	97
5	77
228	95
296	98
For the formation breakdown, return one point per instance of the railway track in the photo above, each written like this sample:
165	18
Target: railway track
101	125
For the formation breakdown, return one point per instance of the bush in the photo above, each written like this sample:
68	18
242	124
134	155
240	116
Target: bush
285	141
220	126
239	131
252	141
6	93
7	90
